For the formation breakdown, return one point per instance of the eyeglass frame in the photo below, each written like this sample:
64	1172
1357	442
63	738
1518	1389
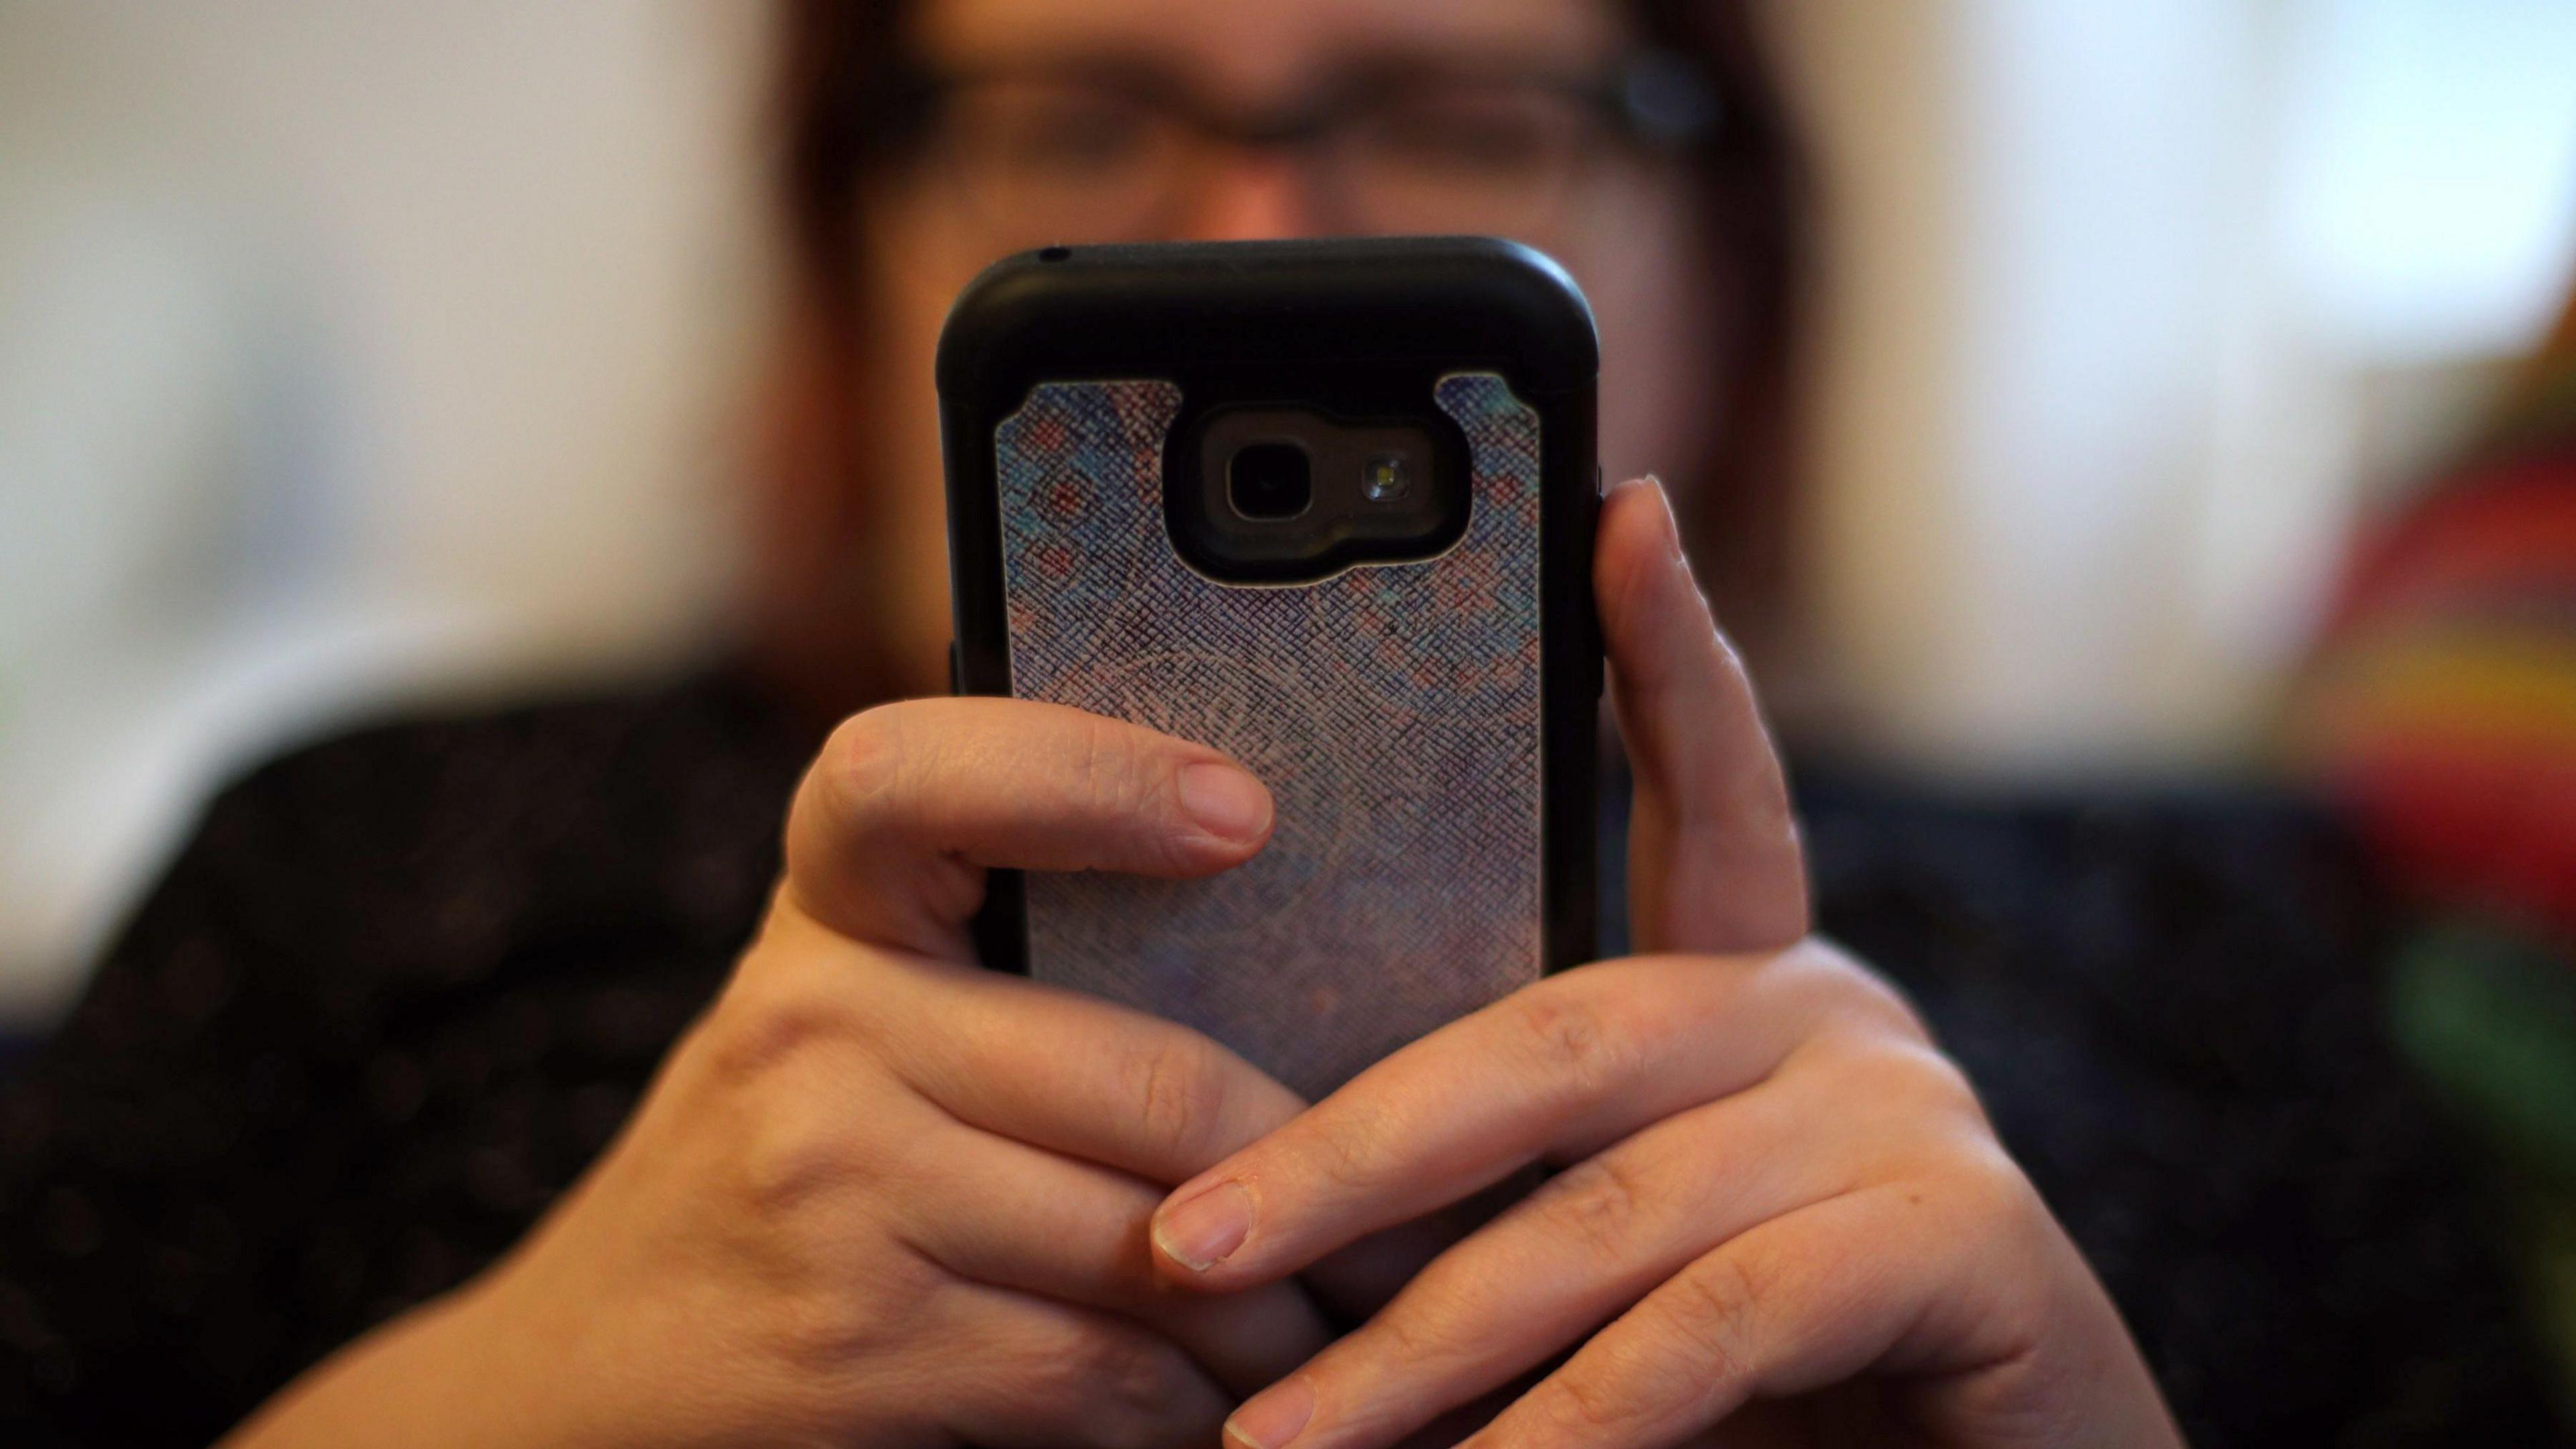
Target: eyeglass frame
1651	99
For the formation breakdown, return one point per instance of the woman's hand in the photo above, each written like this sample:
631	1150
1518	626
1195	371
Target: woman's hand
1781	1216
879	1195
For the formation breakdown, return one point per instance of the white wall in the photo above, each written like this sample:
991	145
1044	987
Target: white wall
2117	296
345	349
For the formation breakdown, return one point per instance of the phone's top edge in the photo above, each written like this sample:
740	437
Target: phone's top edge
1502	300
1277	249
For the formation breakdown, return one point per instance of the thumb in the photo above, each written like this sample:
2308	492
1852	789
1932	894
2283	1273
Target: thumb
1714	860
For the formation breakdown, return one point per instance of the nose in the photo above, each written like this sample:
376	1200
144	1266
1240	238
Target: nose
1252	196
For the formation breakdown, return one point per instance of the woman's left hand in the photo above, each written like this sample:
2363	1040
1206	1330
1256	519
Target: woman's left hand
1781	1216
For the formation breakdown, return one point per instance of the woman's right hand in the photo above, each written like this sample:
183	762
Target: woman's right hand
877	1194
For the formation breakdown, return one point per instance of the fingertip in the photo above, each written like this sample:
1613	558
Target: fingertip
1272	1417
1226	803
1636	558
1639	512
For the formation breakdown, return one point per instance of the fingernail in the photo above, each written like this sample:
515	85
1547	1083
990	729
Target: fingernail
1274	1416
1198	1232
1226	802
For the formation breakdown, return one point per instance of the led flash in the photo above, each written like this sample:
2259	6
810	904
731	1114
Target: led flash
1386	479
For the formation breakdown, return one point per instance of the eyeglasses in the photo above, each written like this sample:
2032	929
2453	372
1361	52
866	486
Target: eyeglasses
1098	152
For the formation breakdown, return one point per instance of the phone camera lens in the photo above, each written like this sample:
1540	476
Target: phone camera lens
1270	481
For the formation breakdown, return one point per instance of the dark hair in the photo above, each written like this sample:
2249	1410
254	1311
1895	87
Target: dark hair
837	54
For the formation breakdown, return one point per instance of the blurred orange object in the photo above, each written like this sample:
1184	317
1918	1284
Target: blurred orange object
2442	710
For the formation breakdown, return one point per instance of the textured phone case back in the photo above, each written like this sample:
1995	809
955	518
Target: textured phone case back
1393	710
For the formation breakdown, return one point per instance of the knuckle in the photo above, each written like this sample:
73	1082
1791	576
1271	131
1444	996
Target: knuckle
1585	1408
1715	1308
1420	1330
1997	1199
830	1322
1177	1091
1843	988
787	1067
1574	1041
1122	1387
1597	1204
1111	767
1901	1086
2008	1221
1935	1082
1348	1161
793	1152
766	1025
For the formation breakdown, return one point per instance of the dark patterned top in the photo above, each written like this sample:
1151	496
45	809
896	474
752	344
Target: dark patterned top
403	985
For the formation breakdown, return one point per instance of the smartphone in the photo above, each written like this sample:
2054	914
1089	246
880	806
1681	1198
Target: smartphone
1327	506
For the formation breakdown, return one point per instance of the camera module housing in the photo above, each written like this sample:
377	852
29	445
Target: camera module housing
1262	493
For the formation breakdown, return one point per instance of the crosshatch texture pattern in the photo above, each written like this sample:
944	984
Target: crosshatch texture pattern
1393	710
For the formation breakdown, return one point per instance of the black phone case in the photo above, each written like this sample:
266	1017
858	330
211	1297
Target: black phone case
1427	727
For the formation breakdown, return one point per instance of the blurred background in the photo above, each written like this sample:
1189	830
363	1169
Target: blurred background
357	354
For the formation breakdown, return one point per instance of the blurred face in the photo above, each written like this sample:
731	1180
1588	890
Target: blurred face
1120	120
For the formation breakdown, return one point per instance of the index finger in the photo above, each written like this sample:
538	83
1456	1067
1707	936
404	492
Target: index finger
1093	1079
1039	1064
908	803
